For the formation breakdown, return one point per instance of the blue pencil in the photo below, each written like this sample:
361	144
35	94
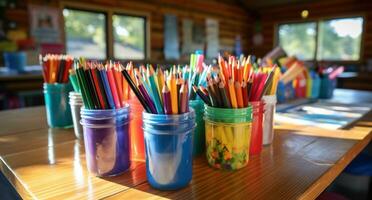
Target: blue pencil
107	88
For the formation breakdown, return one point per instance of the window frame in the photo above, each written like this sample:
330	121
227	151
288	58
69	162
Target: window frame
109	12
317	21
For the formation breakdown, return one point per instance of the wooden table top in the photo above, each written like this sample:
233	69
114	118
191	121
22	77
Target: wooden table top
48	163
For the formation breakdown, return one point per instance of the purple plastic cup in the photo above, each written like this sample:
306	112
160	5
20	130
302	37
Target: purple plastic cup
106	140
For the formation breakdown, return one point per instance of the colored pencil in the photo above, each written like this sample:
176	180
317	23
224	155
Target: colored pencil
167	100
55	68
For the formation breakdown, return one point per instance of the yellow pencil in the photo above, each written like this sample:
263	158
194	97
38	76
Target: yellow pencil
275	81
247	68
232	94
160	80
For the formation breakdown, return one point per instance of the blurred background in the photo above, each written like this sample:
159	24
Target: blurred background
319	32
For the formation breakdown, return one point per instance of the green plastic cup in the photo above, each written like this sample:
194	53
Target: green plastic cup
227	133
199	135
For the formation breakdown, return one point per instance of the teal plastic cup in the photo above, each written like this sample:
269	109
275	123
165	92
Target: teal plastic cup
199	135
56	104
327	86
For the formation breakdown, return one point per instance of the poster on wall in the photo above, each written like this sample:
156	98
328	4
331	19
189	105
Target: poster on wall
213	43
45	24
171	42
193	37
238	45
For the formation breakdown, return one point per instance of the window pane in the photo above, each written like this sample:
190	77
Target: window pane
129	37
85	33
340	39
298	39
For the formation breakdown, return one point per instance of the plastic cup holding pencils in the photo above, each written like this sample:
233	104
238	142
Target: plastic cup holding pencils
227	133
56	104
327	87
168	140
257	123
137	142
315	87
76	102
268	119
106	140
199	136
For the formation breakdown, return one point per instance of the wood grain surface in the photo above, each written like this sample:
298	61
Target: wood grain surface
21	120
44	163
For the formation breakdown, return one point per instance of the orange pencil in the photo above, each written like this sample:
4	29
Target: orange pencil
173	90
51	61
239	95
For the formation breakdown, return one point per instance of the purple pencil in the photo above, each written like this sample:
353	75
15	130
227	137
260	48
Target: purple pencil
146	96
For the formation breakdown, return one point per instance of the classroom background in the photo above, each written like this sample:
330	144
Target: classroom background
322	33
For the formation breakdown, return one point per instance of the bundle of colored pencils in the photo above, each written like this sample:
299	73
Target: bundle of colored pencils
196	73
102	86
55	67
158	92
332	71
294	69
236	83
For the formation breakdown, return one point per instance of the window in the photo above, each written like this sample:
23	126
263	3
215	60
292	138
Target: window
86	34
329	40
298	39
129	37
340	39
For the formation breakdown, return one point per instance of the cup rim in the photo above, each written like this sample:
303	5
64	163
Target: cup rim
227	123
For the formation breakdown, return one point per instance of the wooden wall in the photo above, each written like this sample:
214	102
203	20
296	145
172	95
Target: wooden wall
270	17
233	19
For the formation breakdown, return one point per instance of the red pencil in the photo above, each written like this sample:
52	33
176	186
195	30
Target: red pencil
98	89
111	79
183	99
118	83
68	65
167	100
245	94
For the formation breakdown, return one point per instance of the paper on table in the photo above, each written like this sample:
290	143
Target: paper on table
323	114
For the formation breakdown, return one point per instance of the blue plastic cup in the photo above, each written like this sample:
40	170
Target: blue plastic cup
15	61
169	146
56	103
106	140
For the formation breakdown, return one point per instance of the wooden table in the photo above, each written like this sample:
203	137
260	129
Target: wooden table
48	163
